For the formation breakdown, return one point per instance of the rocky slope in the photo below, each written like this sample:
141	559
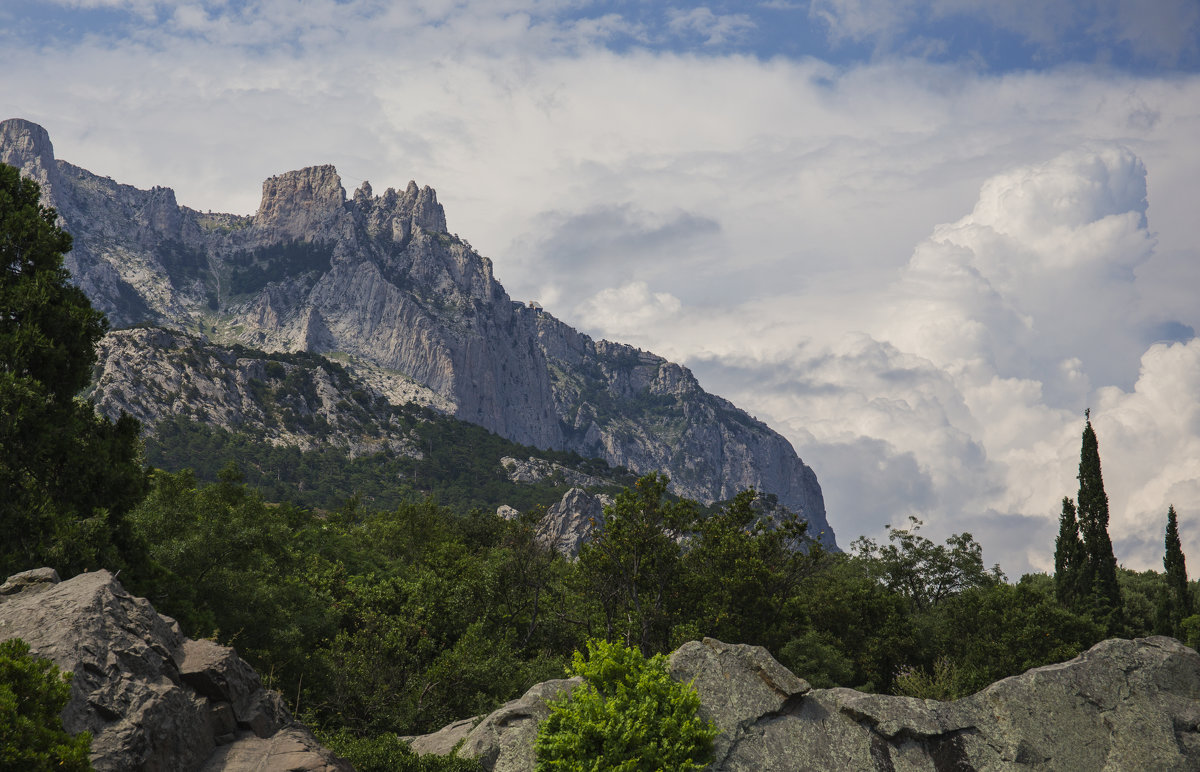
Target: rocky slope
153	699
1122	705
379	281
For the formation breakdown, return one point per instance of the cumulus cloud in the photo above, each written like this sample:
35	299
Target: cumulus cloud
628	310
716	29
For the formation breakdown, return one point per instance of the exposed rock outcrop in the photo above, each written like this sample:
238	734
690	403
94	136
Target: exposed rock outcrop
1122	705
153	699
379	278
572	521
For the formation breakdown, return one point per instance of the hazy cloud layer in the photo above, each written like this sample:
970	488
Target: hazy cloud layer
918	264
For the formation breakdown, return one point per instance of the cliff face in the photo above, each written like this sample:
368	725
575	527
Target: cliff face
378	281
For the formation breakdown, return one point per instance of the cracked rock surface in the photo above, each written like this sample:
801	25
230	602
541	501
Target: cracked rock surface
1121	705
153	699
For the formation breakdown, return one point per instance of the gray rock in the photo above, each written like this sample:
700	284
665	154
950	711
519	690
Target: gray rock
152	699
571	522
414	304
30	581
503	740
445	740
1122	705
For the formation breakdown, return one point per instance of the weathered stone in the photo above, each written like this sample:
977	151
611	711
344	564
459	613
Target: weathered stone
153	700
445	740
30	581
1122	705
572	521
503	741
290	750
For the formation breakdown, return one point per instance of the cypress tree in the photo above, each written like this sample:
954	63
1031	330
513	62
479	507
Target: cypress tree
1179	599
1069	557
1099	574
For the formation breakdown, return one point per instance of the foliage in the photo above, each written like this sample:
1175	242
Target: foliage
923	572
458	463
276	262
945	682
1099	574
630	565
32	696
1070	557
1178	599
629	714
67	477
388	753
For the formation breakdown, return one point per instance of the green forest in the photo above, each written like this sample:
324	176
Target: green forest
379	617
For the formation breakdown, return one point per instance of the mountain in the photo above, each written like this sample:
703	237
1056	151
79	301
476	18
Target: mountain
378	283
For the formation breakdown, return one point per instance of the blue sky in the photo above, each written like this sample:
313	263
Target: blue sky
917	238
994	37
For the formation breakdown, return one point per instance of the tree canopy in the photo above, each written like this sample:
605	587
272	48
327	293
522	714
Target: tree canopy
67	476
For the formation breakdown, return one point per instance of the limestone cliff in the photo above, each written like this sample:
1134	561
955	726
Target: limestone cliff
379	280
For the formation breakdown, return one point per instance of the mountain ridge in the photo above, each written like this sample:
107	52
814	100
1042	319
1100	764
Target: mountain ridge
378	280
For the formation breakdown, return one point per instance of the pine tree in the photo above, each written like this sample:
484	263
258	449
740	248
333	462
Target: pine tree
1099	574
67	475
1069	558
1179	600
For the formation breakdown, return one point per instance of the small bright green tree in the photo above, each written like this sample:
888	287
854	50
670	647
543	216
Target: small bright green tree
32	696
628	715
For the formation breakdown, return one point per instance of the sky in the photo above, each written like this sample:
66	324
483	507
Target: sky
916	237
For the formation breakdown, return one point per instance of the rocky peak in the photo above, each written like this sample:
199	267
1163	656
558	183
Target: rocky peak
397	215
27	146
301	203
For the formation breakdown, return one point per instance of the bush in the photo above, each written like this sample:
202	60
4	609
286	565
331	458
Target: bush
628	715
388	753
32	695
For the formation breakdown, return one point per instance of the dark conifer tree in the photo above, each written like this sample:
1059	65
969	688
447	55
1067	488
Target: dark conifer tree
1069	558
67	475
1178	598
1099	574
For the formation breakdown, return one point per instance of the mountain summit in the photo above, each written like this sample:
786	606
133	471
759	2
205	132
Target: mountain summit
378	282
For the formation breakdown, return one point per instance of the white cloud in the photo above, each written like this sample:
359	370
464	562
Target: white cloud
628	310
716	29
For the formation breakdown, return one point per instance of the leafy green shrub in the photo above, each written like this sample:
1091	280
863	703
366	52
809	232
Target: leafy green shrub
628	715
32	695
944	683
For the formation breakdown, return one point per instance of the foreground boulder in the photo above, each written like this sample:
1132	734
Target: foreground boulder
153	699
1122	705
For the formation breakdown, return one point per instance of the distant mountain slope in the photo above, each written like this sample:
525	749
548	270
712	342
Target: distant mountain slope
380	283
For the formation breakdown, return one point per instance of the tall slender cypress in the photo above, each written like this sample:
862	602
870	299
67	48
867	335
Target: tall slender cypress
1069	558
1100	565
1179	599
